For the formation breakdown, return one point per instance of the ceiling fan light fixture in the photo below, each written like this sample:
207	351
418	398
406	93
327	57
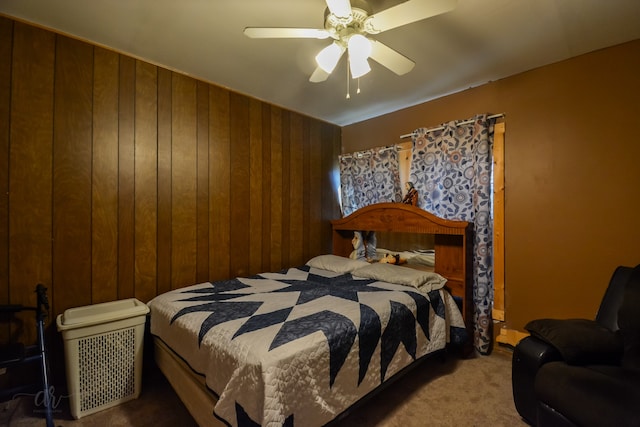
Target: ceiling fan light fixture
359	67
340	8
328	57
359	50
359	46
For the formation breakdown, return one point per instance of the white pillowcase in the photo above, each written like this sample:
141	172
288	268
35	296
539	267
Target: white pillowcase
335	263
425	281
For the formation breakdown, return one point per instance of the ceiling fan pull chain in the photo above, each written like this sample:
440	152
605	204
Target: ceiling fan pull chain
358	91
348	94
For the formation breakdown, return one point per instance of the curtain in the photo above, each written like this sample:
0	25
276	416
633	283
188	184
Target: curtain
451	167
368	177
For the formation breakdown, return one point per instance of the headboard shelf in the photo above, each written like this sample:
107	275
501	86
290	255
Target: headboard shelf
453	242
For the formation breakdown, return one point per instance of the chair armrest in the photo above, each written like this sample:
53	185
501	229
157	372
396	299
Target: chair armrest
529	355
579	341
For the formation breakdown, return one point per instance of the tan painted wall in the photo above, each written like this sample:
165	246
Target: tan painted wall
571	174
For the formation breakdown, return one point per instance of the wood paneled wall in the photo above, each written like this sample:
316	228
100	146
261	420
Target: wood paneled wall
122	179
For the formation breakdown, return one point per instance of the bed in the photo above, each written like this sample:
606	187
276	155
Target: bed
303	345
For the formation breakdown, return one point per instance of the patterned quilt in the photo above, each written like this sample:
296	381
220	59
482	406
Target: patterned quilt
300	346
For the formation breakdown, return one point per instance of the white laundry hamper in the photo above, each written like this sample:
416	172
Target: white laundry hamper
103	346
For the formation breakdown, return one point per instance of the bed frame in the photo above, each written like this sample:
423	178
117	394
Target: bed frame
188	385
453	243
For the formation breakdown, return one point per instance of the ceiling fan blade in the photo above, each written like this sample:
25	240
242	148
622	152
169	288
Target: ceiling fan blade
340	8
319	75
393	60
406	13
270	33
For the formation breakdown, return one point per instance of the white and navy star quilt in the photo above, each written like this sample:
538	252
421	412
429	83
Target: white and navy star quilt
300	346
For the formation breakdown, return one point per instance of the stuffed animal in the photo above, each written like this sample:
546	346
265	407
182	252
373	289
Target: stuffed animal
364	246
392	259
370	245
359	251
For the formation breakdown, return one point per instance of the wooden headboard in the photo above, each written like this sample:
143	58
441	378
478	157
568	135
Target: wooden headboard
453	242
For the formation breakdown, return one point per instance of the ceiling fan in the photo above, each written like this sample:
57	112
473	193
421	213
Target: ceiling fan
349	27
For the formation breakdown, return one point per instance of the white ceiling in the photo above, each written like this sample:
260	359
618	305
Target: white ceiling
479	41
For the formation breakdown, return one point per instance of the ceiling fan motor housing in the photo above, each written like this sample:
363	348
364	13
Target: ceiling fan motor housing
343	28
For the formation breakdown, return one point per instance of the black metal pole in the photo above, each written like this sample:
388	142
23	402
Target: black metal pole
44	364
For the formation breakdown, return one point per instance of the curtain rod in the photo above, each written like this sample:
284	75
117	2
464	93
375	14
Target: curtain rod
360	154
466	122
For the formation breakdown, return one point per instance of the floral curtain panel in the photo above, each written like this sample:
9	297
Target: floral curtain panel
451	168
368	177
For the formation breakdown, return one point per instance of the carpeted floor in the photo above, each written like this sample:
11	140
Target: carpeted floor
453	392
469	392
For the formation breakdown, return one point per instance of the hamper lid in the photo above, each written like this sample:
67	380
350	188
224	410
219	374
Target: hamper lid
101	313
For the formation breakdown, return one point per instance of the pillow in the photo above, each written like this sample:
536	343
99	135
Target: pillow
423	280
579	341
335	263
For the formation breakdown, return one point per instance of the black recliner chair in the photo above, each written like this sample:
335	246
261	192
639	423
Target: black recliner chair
579	372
